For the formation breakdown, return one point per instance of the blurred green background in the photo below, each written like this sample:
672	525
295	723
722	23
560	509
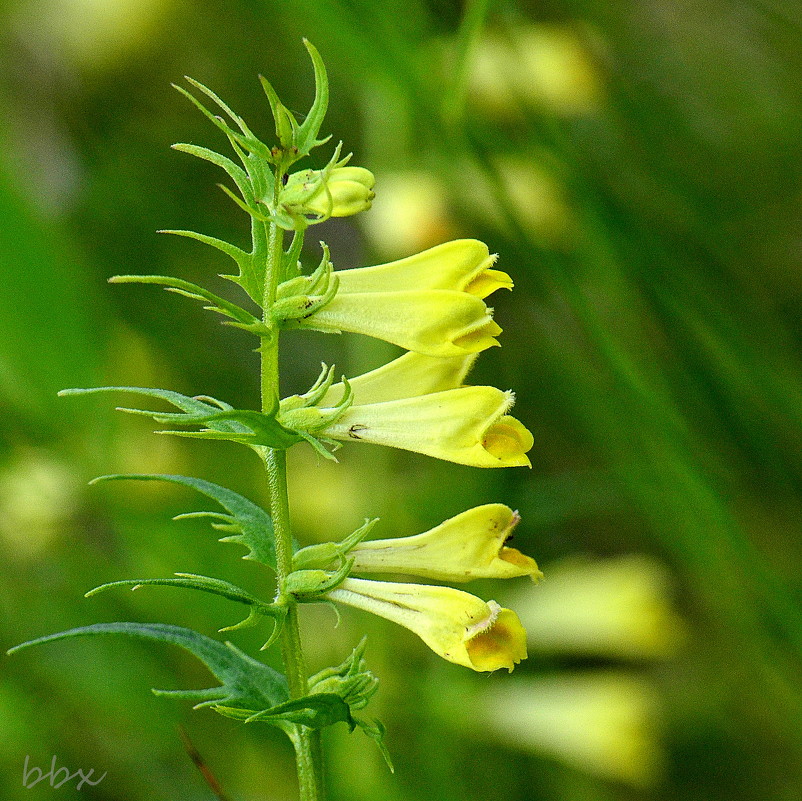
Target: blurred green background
637	168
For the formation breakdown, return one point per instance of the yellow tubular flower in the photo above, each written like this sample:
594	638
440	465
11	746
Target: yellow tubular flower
457	626
437	322
430	303
463	548
467	425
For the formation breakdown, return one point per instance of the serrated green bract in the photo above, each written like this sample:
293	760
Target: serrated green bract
251	524
240	318
246	683
221	420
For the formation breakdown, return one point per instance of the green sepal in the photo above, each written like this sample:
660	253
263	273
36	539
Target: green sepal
223	422
258	608
300	297
242	318
355	684
290	261
246	683
322	554
311	585
252	525
313	711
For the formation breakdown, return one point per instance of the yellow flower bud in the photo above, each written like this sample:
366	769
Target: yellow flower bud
466	547
457	626
341	193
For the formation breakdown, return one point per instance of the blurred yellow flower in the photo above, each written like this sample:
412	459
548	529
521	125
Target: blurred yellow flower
605	723
617	607
457	626
537	65
410	213
465	547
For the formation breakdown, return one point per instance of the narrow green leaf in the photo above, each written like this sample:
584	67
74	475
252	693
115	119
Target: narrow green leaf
250	143
237	254
237	174
257	609
191	581
315	711
235	118
190	290
252	523
246	683
310	127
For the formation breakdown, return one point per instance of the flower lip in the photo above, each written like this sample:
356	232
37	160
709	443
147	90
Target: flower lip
508	440
500	644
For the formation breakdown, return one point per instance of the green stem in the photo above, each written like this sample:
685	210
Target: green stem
305	740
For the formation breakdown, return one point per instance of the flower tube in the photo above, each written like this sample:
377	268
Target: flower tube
465	547
464	265
457	626
407	376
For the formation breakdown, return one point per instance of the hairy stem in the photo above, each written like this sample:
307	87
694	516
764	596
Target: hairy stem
305	740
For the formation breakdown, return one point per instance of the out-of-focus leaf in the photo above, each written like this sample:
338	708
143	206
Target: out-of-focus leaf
224	422
246	683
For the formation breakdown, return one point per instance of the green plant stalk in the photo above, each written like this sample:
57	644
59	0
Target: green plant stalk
305	740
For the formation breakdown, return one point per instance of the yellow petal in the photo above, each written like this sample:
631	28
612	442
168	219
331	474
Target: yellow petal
467	425
462	265
500	645
405	377
488	282
463	548
435	322
457	626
